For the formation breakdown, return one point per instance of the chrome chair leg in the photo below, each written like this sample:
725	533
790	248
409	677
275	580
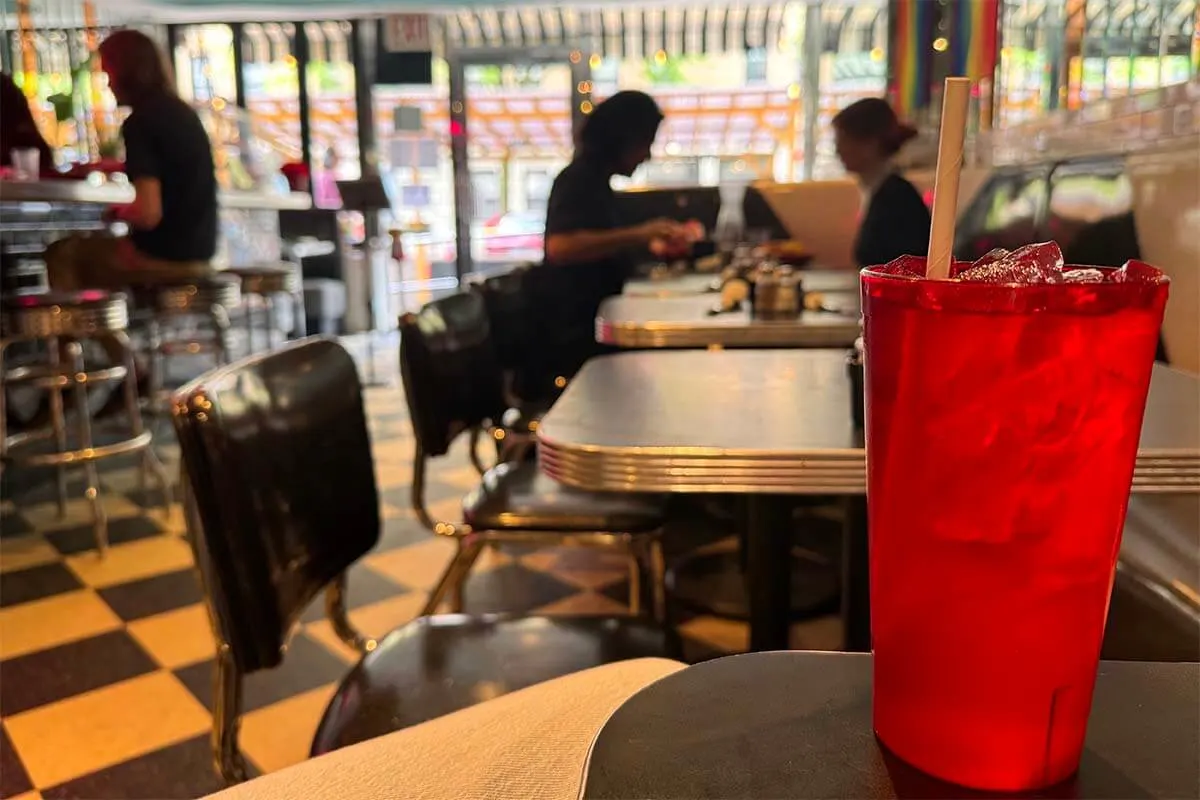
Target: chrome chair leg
58	423
453	577
635	583
335	610
473	450
658	578
99	517
227	719
459	587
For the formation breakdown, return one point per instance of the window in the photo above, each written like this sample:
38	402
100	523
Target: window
756	65
537	189
1006	213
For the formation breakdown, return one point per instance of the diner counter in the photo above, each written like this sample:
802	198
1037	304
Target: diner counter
112	193
687	321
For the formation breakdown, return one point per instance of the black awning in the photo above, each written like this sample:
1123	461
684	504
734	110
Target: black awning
621	32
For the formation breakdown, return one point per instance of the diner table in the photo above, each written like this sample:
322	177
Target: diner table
688	322
770	425
798	725
693	283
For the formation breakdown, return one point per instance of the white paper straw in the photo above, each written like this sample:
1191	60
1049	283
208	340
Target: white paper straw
956	100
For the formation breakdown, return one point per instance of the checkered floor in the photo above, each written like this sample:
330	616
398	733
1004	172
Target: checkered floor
106	665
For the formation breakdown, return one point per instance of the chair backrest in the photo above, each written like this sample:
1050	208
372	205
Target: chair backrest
453	381
278	462
508	308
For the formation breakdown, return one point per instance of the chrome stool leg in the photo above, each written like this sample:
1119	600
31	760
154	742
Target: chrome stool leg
92	493
3	406
220	320
269	307
157	361
58	422
299	315
150	463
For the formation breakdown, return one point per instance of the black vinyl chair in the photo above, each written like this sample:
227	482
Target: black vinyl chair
506	299
280	500
454	384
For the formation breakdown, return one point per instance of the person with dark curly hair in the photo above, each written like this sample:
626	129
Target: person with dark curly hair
896	220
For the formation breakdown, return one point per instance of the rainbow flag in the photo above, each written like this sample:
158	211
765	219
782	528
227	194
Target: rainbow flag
911	52
973	45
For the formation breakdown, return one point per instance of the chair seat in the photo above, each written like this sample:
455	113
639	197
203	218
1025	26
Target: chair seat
437	665
518	496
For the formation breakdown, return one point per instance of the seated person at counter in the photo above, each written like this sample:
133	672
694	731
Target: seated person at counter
896	221
588	248
168	158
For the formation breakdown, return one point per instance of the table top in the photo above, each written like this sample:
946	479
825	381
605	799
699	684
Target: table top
798	725
692	283
765	422
685	321
113	193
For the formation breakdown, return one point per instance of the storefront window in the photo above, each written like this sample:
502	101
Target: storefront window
333	121
204	63
853	66
272	86
1065	53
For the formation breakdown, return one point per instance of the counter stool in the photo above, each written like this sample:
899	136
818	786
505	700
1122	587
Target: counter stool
211	299
61	320
264	281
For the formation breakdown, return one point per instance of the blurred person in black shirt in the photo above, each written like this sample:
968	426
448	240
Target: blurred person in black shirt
18	130
896	220
168	159
589	249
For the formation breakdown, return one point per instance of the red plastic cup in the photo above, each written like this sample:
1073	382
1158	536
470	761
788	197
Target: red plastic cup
1002	430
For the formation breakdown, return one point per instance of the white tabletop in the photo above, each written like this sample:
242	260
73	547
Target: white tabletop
766	421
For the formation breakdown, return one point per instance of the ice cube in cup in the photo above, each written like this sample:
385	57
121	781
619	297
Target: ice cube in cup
1033	263
1084	275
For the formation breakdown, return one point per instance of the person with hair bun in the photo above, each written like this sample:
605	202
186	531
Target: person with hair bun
896	221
